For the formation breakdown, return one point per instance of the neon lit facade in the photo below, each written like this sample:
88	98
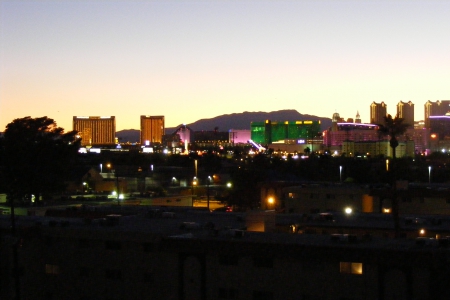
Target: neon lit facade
269	132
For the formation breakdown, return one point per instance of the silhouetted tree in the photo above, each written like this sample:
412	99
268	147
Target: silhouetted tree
393	127
307	151
37	157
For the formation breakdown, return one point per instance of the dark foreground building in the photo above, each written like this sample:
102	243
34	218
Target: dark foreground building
136	253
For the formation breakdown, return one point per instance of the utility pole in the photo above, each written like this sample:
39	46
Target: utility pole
207	191
117	188
15	246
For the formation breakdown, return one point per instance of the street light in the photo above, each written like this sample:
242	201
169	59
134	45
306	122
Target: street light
429	174
340	173
195	162
208	181
194	183
270	201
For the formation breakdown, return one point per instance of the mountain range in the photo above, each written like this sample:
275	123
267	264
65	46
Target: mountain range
232	121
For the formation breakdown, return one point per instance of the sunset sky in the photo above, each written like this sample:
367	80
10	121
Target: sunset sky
189	60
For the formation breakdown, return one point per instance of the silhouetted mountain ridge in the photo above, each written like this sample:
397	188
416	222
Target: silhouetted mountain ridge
233	121
243	120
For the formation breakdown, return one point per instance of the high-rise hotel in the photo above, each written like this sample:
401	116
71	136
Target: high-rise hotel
436	109
95	130
152	129
405	110
377	113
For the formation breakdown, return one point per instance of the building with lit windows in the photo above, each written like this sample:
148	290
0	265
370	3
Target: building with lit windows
152	129
360	139
288	132
341	131
405	110
132	252
239	136
437	108
377	112
439	128
95	130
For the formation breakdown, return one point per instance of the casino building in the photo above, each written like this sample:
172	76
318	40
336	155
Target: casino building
95	131
152	129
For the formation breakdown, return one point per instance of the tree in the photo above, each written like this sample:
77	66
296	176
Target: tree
393	127
37	157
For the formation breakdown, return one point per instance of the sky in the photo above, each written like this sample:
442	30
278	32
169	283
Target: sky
191	60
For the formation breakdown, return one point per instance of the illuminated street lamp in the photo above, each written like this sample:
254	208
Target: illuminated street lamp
270	201
208	181
194	183
429	174
340	173
195	162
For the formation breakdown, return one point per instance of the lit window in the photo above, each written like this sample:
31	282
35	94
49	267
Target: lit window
51	269
351	268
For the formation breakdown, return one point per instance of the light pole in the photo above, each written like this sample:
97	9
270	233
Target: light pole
208	180
117	187
195	163
194	183
85	187
429	174
340	173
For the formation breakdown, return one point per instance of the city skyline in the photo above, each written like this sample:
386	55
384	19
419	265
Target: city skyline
194	60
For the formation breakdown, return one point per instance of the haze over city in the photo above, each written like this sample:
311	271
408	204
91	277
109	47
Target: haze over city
190	60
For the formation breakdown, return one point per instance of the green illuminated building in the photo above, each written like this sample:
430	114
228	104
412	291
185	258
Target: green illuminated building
269	132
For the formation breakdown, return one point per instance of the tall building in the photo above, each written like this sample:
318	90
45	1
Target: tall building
269	132
377	112
437	108
152	129
95	130
405	110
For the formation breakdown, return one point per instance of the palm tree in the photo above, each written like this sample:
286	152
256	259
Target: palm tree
393	127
